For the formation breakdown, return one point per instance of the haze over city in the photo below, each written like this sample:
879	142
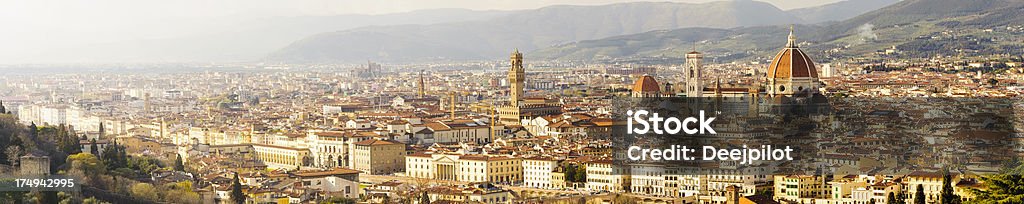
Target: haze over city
61	32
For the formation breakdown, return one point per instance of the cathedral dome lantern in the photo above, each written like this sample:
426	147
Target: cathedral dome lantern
791	71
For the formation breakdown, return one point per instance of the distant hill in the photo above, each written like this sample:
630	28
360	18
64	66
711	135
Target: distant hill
899	24
733	43
526	30
840	10
248	39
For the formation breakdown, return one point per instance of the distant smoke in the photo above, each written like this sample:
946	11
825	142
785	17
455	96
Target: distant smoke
866	33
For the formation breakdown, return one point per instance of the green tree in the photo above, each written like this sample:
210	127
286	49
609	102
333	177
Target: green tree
94	148
178	164
143	164
901	198
33	130
919	195
114	156
1005	187
947	196
581	173
93	200
180	192
88	165
145	191
12	195
891	199
2	108
424	199
236	191
47	197
570	172
109	156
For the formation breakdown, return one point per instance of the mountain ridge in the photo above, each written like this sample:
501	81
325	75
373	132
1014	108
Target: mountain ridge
839	11
899	24
526	30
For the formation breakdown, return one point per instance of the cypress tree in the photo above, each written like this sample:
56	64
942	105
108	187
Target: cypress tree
901	198
919	195
2	108
947	195
570	172
178	164
891	199
33	130
94	148
122	155
236	191
424	199
76	145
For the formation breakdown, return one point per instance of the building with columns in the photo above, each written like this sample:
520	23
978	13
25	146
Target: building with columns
464	168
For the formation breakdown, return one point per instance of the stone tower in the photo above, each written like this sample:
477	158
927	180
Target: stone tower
422	88
516	78
693	73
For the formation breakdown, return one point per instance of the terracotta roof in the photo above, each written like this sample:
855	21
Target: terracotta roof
646	83
437	126
335	171
760	199
373	142
419	154
791	62
484	158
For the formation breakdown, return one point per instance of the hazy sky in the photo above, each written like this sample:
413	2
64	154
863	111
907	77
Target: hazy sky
35	26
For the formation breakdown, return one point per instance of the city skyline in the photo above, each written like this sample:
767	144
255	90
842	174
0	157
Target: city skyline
639	103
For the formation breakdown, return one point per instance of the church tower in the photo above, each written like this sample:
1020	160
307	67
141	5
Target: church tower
422	89
693	73
516	78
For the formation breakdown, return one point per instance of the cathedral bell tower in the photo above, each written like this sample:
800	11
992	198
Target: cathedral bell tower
421	86
693	73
